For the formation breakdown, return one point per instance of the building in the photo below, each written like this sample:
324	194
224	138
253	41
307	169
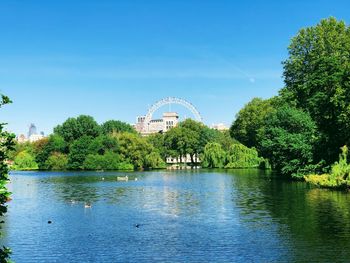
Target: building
168	121
219	127
32	130
183	159
21	138
33	136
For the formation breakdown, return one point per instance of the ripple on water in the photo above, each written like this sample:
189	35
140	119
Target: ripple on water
182	216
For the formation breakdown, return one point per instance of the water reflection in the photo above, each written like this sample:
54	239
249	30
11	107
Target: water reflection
218	216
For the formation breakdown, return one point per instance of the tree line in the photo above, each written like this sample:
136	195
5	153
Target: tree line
302	130
82	144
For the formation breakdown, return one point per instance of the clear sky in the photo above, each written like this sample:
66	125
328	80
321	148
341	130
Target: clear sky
112	59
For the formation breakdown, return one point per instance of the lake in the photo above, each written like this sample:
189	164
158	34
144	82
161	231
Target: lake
174	216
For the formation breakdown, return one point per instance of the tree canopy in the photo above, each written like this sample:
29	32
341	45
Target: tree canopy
287	140
74	128
6	144
317	78
249	120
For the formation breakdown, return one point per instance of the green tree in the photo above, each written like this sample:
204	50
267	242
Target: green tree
78	151
180	141
74	128
203	135
316	75
53	144
188	138
240	156
6	145
157	141
136	150
214	156
224	139
154	160
108	161
249	120
104	143
57	161
114	126
25	161
287	141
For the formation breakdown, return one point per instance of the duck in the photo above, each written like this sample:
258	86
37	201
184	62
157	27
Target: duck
87	205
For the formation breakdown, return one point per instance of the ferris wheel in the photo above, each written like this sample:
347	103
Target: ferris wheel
169	101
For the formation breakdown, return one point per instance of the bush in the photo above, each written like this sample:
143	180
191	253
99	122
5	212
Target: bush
25	161
56	161
339	176
108	161
287	140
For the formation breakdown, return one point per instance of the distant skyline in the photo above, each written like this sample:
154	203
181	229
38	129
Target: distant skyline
113	59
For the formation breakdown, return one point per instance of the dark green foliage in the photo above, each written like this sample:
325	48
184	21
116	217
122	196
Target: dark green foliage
104	143
78	151
180	141
287	141
317	77
114	126
74	128
107	161
190	137
249	120
6	144
54	144
157	141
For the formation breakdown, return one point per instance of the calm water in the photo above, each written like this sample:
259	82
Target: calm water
191	216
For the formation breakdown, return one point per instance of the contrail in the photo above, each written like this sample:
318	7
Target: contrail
220	59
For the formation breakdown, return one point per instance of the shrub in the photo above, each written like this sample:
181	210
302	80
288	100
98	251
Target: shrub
57	161
25	161
338	176
108	161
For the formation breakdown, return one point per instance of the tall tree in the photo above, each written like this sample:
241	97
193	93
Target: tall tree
287	141
74	128
114	126
78	151
214	156
317	78
6	144
249	120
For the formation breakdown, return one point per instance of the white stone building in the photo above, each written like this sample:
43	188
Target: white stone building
168	121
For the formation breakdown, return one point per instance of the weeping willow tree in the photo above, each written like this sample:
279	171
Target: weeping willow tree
6	144
240	156
214	156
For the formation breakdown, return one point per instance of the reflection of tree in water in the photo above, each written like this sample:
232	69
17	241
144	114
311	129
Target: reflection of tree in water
316	222
247	194
75	188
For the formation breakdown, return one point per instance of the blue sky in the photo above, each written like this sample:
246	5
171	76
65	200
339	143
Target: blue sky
112	59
